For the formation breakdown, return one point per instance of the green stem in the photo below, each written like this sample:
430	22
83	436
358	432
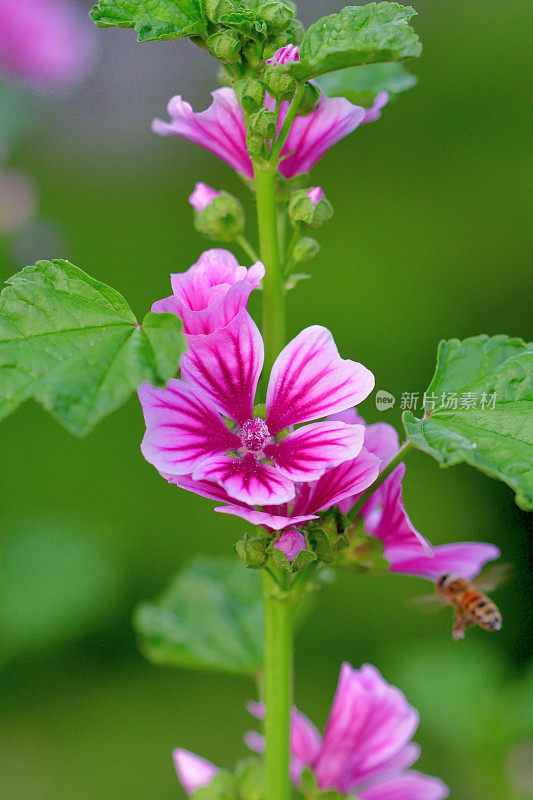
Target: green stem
243	242
273	290
277	147
278	688
391	466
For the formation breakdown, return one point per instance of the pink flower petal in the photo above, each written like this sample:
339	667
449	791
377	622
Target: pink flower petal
291	543
410	786
226	364
247	479
202	196
466	559
211	292
312	136
310	380
343	481
374	112
386	519
370	721
183	429
273	521
220	128
304	454
193	772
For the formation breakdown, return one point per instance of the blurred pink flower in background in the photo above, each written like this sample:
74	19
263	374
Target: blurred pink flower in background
18	200
365	751
48	44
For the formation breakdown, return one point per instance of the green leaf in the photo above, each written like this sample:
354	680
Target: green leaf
211	617
152	19
361	85
73	344
357	35
492	426
245	21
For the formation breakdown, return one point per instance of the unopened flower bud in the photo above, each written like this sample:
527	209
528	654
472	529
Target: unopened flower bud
277	15
254	144
279	84
304	250
309	100
217	215
264	123
214	9
309	207
250	94
225	46
285	54
290	543
252	552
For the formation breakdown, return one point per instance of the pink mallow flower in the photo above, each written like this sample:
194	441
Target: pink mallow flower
366	750
221	129
291	543
258	458
202	196
385	517
284	55
45	43
211	292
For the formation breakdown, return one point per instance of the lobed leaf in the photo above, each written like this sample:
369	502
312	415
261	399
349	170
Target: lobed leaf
211	617
74	345
494	434
361	85
153	20
357	35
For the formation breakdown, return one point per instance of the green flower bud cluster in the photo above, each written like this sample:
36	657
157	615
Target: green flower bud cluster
280	85
250	94
221	220
304	250
264	124
225	45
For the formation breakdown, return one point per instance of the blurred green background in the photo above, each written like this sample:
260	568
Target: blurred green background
430	239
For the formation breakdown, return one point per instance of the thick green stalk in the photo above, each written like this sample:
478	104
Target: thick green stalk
278	688
273	289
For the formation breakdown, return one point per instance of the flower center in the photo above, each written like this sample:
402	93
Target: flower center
254	434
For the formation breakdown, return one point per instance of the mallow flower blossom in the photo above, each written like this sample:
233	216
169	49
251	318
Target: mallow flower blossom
366	749
385	518
258	458
202	196
45	43
210	293
221	128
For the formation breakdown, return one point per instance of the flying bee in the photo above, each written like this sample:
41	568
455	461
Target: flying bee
468	598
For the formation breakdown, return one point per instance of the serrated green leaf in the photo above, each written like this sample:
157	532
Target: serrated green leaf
492	426
361	85
73	344
211	617
355	36
152	19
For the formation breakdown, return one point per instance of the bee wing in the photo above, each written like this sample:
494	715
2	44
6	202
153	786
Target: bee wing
428	603
491	578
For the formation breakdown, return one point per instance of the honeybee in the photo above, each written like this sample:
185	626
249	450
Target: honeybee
468	598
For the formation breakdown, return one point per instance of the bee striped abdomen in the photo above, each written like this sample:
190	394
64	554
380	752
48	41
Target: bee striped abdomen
482	610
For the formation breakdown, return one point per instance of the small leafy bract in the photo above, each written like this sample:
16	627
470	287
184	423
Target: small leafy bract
491	379
211	617
152	19
74	345
361	85
357	35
